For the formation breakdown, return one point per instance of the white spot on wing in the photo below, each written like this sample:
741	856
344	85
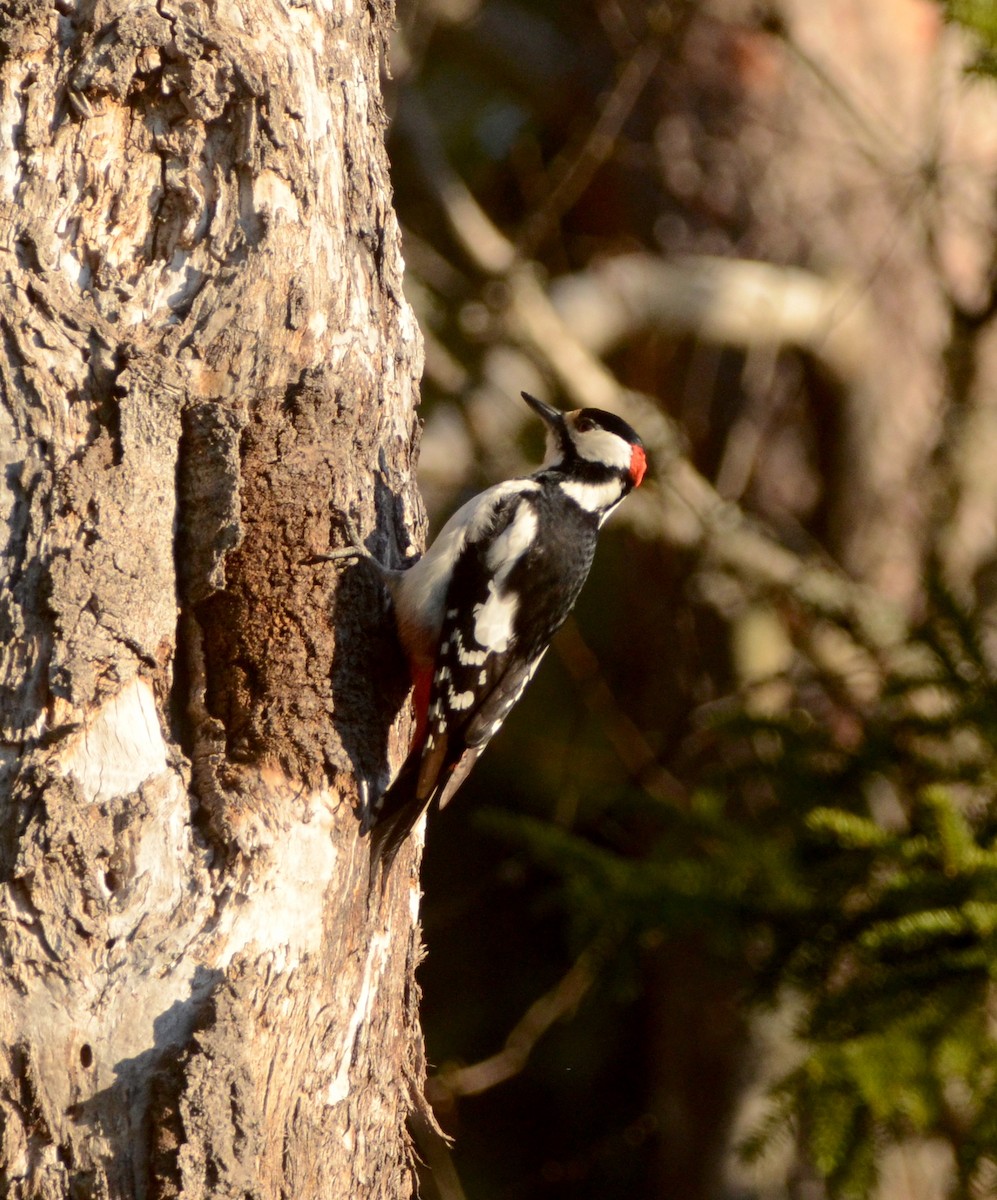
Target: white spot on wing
513	542
491	499
468	658
493	620
421	590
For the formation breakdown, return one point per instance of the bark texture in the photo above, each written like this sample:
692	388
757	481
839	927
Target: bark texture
206	355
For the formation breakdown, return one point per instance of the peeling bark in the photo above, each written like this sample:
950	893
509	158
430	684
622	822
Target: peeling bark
205	357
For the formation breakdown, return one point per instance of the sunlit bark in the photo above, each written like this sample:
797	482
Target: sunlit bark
206	355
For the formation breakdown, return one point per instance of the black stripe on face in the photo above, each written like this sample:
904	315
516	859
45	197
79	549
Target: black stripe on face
610	422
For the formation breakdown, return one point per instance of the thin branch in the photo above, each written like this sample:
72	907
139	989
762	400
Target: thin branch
562	999
572	172
631	747
881	139
434	1150
684	508
484	244
735	302
719	529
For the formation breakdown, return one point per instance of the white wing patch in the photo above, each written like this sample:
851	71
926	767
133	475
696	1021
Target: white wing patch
493	621
421	589
487	503
513	542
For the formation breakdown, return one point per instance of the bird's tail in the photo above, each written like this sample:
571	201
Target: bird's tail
399	809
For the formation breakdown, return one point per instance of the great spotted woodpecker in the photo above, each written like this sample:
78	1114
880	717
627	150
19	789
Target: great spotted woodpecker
476	612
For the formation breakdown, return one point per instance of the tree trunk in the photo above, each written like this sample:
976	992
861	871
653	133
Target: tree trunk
206	357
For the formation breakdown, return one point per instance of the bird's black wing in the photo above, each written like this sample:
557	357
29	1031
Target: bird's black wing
468	683
512	586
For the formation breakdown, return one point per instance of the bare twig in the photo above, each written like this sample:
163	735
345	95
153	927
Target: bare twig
878	141
434	1150
721	530
729	301
488	248
453	1081
626	739
572	172
684	507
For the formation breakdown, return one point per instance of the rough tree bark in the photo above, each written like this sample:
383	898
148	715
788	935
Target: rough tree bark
206	355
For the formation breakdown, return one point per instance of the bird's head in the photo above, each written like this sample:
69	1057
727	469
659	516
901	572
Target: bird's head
599	454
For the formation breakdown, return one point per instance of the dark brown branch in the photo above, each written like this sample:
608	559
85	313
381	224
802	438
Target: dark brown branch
452	1081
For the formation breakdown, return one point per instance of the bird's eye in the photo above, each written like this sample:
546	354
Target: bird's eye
584	424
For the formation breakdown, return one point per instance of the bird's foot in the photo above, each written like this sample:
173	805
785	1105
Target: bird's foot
353	549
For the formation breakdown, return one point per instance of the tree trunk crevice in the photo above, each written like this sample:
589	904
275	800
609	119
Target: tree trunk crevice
206	358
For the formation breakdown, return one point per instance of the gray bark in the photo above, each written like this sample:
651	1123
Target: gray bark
205	356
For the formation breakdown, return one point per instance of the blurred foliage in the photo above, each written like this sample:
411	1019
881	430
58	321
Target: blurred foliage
980	17
848	855
815	845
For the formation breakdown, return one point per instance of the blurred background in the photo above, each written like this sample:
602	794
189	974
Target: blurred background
715	916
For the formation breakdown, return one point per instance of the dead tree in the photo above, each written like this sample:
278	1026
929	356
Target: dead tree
206	358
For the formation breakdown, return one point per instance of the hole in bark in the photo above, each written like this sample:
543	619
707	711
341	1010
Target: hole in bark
86	1056
111	881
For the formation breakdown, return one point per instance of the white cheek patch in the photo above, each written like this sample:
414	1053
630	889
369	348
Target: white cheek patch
599	445
493	621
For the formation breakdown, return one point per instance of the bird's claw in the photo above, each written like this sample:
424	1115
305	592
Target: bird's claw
354	547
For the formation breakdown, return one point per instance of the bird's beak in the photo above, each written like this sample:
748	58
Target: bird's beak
552	417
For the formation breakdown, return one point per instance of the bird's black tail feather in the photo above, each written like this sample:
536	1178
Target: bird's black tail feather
397	812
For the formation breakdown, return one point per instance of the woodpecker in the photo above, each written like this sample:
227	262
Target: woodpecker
477	611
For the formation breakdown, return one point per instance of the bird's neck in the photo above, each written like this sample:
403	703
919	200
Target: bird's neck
594	492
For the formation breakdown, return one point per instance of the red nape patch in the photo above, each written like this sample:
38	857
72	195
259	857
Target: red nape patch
638	464
422	682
